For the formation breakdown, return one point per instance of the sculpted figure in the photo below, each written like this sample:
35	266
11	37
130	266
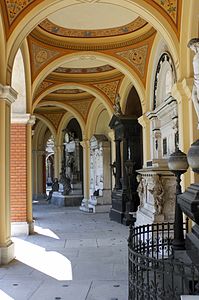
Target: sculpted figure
140	189
55	188
65	180
194	45
157	192
117	107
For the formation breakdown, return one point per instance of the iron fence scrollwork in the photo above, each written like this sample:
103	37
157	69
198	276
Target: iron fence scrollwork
154	272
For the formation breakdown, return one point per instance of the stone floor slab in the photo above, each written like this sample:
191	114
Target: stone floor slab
73	255
108	290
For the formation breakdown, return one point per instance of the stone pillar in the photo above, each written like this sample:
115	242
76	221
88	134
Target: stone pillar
7	96
34	173
56	161
126	152
181	91
29	175
21	168
118	165
38	157
145	123
86	174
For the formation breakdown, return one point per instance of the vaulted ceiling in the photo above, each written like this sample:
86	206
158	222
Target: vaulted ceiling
78	52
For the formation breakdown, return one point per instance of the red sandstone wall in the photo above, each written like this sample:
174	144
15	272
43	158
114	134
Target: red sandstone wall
18	166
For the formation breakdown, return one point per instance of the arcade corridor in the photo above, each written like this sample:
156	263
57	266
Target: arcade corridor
71	256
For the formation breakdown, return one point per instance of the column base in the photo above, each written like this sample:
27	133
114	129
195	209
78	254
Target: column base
85	206
21	228
7	254
31	226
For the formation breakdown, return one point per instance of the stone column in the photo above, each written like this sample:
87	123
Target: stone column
38	173
86	173
118	165
187	85
124	159
7	96
40	159
56	161
34	173
145	123
29	175
179	92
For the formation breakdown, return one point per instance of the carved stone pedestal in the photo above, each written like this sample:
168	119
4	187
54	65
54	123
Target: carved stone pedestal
157	195
68	200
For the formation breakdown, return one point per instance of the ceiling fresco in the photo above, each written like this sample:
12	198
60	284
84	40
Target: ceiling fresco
17	9
66	32
78	58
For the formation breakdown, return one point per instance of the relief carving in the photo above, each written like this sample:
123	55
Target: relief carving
157	191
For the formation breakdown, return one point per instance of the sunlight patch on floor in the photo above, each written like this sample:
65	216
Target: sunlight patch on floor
50	263
46	232
4	296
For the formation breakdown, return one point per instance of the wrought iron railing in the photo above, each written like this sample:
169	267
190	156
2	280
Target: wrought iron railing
154	273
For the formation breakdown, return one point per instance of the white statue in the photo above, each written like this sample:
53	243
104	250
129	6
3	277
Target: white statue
141	189
194	45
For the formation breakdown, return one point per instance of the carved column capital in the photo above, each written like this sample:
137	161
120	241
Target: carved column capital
7	93
143	120
20	118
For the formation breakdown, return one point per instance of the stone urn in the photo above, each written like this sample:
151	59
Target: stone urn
193	156
178	162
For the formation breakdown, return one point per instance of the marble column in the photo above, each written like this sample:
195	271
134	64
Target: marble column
7	96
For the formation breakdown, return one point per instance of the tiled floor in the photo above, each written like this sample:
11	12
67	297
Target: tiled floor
72	256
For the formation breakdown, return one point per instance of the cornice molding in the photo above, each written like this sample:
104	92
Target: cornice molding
67	44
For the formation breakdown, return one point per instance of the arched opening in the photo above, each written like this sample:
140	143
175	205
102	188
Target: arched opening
49	162
71	176
134	110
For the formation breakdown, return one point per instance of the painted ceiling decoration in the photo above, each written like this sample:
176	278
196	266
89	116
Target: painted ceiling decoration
54	118
68	91
16	10
40	56
15	7
88	46
42	87
110	89
82	106
68	32
136	57
170	6
100	69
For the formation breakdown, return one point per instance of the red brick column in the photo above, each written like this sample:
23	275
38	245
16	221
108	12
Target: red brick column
18	173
